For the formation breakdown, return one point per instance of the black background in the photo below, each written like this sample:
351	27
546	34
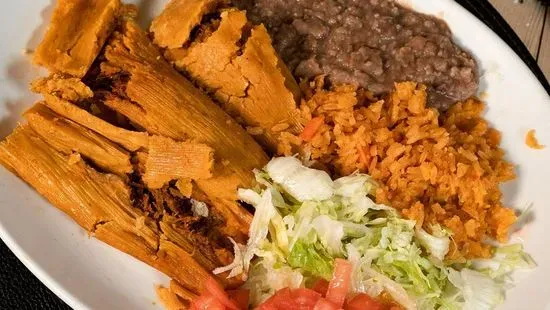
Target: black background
20	289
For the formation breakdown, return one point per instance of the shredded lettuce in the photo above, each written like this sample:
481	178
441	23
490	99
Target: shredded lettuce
236	266
308	258
437	246
330	233
478	291
301	182
506	259
267	276
304	220
259	228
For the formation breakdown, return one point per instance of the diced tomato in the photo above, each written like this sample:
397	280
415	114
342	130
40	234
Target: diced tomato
311	128
336	292
286	299
240	297
206	302
266	306
364	302
325	304
321	287
338	287
305	297
212	287
281	298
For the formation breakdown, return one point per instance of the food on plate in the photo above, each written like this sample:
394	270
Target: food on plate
232	60
136	82
101	203
323	295
158	144
98	145
299	240
435	168
153	96
372	44
532	141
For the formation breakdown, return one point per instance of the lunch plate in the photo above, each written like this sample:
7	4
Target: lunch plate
88	274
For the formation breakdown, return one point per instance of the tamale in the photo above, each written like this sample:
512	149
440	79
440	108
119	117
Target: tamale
125	146
165	103
106	207
76	34
87	196
68	137
31	158
170	160
201	237
210	62
171	106
199	234
237	64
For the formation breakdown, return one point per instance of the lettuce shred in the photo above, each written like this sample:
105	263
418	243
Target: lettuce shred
303	221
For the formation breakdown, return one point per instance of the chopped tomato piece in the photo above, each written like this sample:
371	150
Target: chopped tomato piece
212	287
311	128
324	304
239	297
364	302
321	287
335	292
305	297
338	287
286	299
281	298
206	302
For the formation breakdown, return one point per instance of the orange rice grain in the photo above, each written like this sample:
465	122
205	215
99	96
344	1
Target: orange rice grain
436	168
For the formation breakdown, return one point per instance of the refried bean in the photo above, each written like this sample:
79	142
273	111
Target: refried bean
369	43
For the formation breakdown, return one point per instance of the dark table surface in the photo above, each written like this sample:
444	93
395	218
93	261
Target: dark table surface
20	289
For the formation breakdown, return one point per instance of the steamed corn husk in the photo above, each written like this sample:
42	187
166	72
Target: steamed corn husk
130	140
101	203
132	181
69	137
167	104
248	79
171	160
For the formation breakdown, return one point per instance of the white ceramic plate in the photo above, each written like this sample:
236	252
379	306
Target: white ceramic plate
88	274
